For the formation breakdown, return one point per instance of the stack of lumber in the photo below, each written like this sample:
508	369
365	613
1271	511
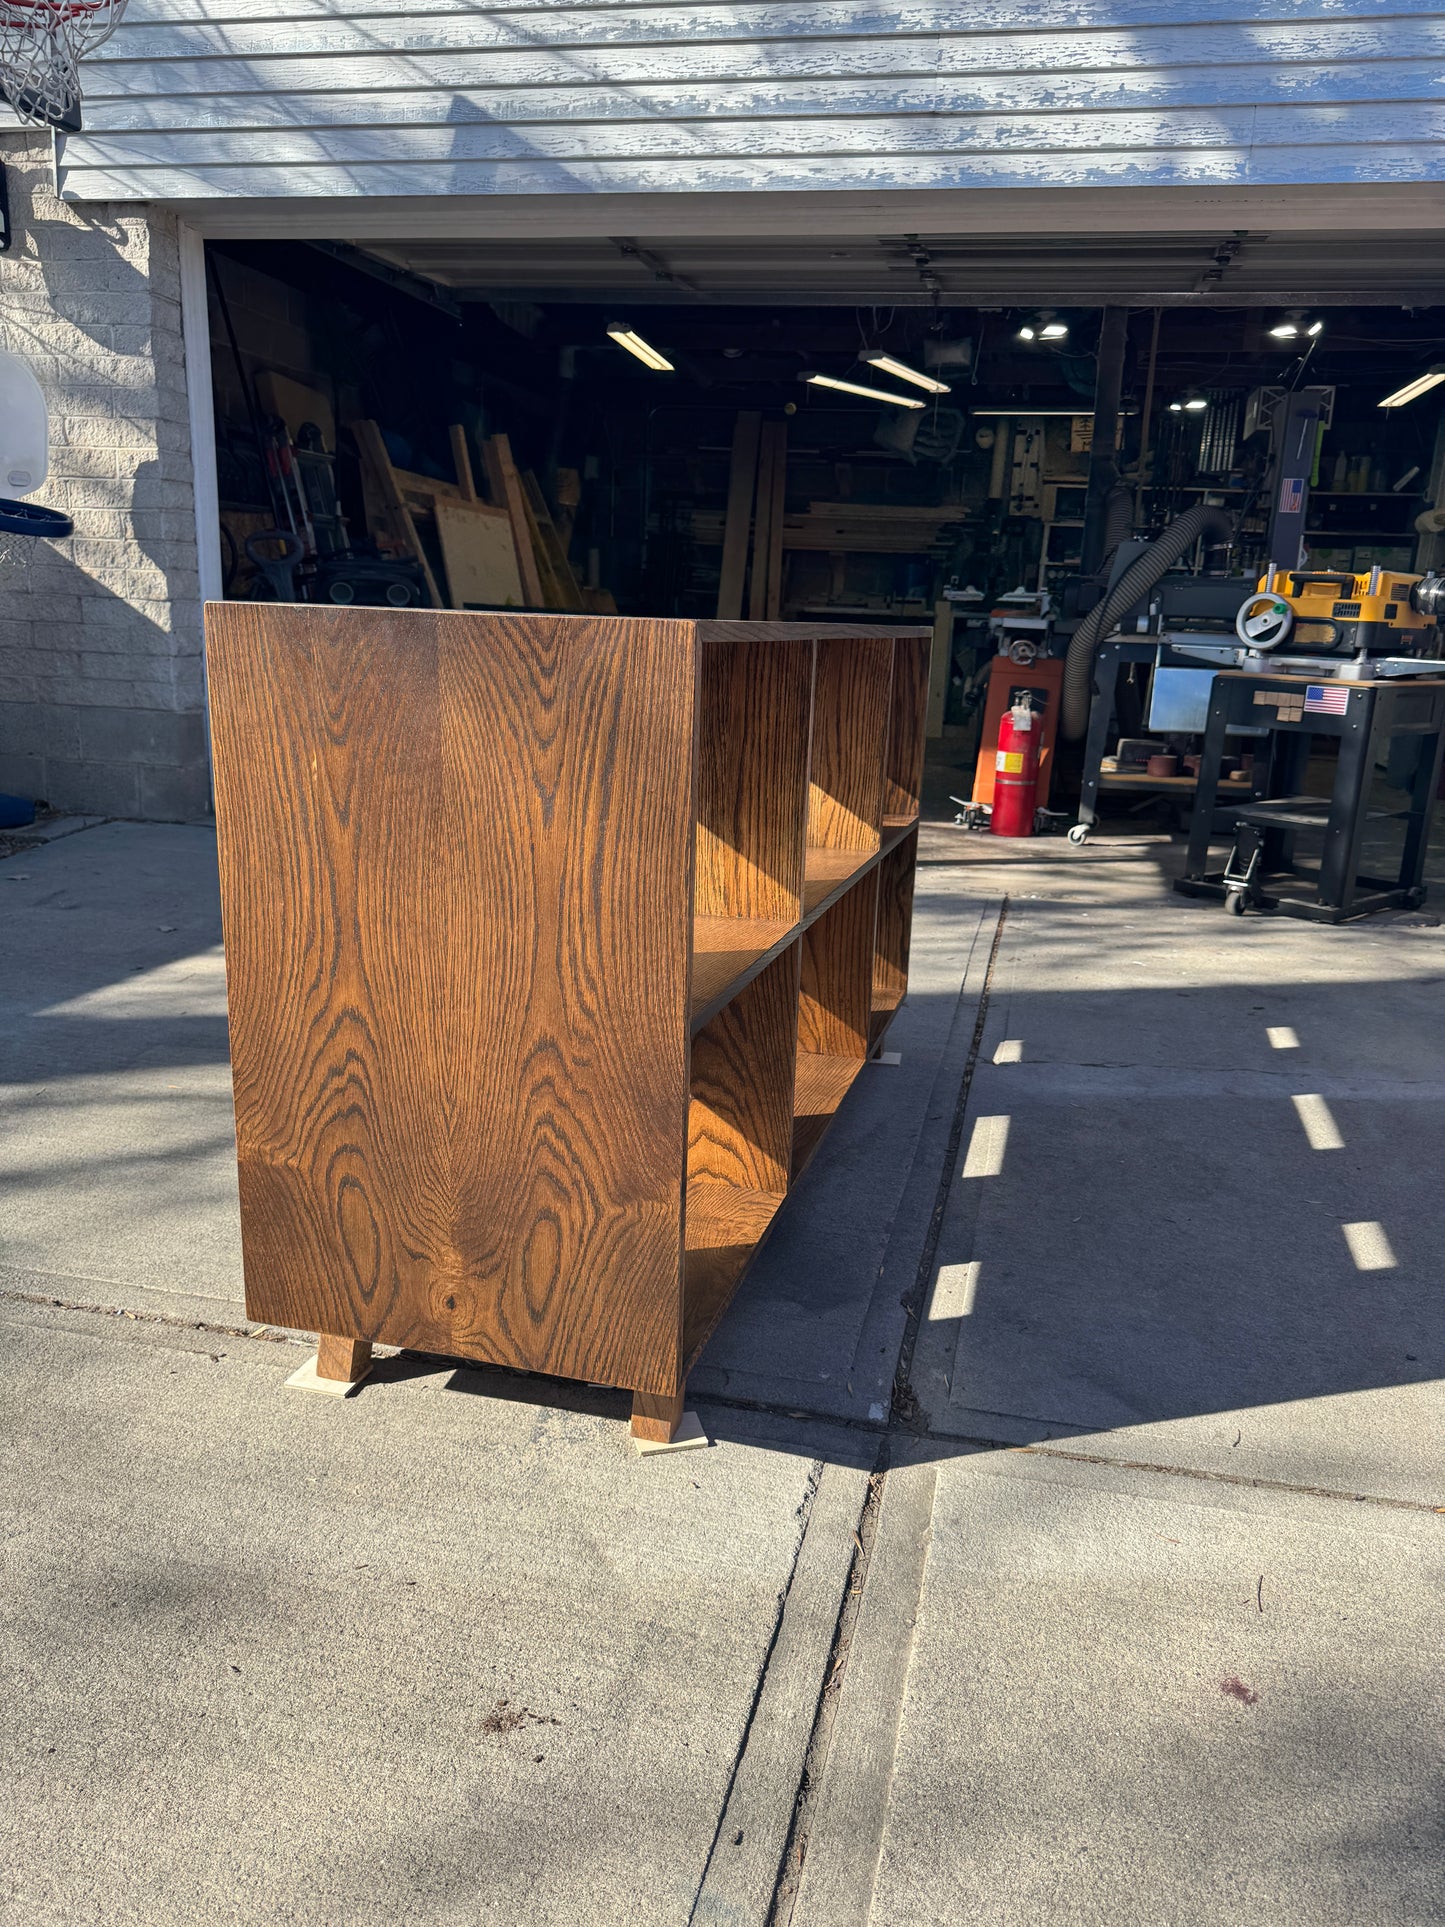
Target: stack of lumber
503	552
874	528
752	534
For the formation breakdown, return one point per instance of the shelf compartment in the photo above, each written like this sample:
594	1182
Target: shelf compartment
727	953
754	704
834	1012
903	775
852	689
891	938
739	1136
829	872
725	1226
822	1084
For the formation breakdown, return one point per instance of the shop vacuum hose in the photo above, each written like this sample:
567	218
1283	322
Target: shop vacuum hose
1174	541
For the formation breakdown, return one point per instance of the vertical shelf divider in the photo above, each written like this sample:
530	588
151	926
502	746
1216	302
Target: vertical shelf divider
851	692
903	778
754	703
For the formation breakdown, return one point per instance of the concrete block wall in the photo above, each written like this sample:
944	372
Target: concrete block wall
102	690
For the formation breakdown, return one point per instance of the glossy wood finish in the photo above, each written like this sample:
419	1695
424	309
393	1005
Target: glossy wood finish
754	704
851	692
553	945
656	1415
837	975
345	1359
455	859
903	777
740	1114
896	871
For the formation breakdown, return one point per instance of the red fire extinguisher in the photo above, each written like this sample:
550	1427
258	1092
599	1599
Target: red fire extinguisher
1016	782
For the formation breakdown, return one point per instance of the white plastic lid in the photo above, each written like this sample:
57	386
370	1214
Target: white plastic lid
24	429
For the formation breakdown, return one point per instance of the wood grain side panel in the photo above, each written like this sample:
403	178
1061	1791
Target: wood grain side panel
740	1118
850	733
836	994
907	711
455	878
754	702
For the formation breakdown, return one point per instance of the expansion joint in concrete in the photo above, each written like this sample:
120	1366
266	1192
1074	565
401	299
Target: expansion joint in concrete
795	1853
906	1410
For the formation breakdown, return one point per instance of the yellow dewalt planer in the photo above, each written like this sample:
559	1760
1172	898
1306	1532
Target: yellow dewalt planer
1332	612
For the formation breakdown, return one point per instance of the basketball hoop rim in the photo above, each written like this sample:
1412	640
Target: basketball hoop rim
28	12
29	518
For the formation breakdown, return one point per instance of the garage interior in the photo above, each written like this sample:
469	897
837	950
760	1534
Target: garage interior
738	428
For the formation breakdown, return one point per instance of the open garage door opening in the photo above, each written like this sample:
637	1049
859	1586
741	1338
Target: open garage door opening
902	430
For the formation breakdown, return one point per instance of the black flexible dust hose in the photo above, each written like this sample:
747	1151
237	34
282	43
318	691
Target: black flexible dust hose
1173	542
1118	515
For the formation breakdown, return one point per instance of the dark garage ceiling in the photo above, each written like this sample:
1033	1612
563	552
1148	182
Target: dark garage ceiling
1234	268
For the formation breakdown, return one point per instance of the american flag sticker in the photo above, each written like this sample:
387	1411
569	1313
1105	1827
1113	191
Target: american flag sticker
1291	494
1327	699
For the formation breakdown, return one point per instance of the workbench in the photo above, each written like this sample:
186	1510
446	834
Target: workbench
1362	717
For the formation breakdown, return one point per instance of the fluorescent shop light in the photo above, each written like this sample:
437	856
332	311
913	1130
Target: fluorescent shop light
876	358
856	388
1421	385
644	351
1043	326
1295	327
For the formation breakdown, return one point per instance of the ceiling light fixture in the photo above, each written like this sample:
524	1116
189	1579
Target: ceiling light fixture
856	388
1192	404
1421	385
876	358
1043	326
635	345
1295	327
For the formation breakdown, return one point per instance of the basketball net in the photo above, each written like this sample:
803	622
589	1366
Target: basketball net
42	43
15	552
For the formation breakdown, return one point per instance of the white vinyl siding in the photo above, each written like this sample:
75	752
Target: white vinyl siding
199	99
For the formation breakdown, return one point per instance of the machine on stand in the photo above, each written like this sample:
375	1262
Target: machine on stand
1132	667
1364	671
1304	654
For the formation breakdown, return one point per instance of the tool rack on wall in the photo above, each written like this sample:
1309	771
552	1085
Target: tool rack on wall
554	944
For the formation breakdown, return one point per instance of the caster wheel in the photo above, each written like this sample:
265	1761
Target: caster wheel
1079	834
1234	903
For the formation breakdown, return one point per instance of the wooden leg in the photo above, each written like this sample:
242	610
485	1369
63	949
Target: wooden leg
345	1358
657	1415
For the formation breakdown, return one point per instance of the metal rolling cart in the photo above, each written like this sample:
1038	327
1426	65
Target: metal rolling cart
1364	715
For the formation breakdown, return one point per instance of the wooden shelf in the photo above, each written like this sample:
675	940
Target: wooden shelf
828	873
885	1009
1141	780
727	953
724	1227
665	905
822	1084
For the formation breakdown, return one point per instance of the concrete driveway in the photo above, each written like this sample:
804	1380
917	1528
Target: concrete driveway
1068	1545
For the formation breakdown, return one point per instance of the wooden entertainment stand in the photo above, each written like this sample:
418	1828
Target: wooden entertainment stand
553	945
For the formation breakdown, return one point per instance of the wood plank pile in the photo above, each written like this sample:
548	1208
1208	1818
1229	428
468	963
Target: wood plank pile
504	551
755	529
751	534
